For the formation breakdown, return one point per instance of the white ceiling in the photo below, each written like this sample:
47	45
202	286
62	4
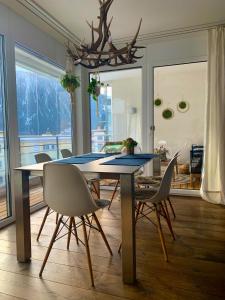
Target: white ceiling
69	16
158	15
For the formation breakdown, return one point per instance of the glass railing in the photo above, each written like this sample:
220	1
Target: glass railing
52	145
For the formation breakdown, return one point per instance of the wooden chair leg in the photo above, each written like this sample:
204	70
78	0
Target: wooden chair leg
120	247
162	239
43	222
171	206
114	193
50	246
75	231
56	218
138	211
69	233
95	190
167	217
87	250
102	233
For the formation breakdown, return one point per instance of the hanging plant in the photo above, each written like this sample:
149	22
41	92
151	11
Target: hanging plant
70	82
158	102
94	88
183	106
168	114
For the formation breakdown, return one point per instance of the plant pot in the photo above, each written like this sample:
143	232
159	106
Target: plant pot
130	151
98	90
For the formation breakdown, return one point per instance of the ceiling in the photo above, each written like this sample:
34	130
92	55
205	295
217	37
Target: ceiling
158	15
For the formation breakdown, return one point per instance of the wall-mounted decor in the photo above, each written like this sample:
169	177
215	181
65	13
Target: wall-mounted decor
168	113
183	106
158	102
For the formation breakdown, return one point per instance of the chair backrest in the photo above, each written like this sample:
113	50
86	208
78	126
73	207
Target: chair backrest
66	153
66	190
42	157
165	185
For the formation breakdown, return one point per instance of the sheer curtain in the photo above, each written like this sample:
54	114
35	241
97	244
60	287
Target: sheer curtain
213	183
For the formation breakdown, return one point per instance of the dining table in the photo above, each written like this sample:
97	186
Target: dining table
122	167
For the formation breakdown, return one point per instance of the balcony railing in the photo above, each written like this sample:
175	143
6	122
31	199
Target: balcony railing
52	145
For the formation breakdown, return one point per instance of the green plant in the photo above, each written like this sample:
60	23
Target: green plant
70	82
94	88
129	143
182	105
167	113
158	102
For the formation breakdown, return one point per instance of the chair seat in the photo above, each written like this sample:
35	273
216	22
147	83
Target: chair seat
155	180
145	194
102	203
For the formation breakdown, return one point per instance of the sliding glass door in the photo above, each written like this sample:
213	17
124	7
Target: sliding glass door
5	207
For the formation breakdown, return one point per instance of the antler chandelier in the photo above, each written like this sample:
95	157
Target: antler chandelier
102	51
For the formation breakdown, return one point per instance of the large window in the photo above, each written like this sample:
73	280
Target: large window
5	210
117	114
44	108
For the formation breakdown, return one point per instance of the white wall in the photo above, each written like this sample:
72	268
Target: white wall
185	48
172	84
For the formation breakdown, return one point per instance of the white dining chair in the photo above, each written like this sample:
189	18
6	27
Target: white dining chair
154	182
41	158
154	200
66	192
92	181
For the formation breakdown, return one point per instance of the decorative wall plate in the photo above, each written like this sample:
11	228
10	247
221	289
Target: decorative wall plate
183	106
158	102
168	113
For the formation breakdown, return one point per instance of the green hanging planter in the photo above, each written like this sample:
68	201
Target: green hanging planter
158	102
168	113
183	106
70	82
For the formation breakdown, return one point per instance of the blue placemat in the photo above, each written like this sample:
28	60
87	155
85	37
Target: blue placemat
138	156
76	160
94	155
127	162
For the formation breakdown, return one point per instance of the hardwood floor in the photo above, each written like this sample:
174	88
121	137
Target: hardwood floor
196	267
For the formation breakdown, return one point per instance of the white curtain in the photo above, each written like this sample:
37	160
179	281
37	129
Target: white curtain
213	183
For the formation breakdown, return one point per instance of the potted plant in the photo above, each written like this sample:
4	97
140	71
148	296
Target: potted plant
129	144
94	88
70	82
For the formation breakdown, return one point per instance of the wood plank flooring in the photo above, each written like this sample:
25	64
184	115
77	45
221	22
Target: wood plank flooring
35	198
196	267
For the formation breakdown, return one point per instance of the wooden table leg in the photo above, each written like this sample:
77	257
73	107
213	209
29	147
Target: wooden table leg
128	228
22	206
